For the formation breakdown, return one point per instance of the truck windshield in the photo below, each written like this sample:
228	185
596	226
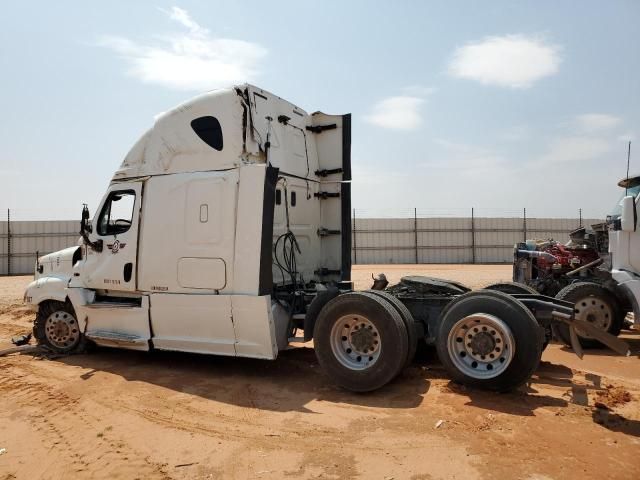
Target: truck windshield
633	191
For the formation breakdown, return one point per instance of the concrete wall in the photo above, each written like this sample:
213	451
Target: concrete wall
375	240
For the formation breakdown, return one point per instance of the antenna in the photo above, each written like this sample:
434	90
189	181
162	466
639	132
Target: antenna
626	188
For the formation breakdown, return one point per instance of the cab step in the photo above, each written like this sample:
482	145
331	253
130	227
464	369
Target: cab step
113	305
109	338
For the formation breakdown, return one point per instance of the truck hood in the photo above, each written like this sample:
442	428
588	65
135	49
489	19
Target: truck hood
58	263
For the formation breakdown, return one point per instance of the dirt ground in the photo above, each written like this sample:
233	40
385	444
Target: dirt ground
124	415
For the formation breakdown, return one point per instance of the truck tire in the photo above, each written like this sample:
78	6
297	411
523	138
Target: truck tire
360	341
490	340
407	318
516	288
511	288
56	327
594	304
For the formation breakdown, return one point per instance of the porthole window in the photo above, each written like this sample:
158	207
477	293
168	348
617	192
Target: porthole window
209	131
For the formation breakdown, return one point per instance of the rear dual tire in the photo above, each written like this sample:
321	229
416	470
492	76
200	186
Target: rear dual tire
408	320
490	340
361	341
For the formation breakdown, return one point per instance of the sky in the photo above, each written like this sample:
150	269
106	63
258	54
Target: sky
495	105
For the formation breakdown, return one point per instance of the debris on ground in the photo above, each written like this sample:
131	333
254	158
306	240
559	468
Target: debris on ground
20	349
611	397
20	340
3	450
439	423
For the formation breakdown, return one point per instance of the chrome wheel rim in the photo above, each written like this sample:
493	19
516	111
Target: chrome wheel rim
61	329
355	342
481	345
594	310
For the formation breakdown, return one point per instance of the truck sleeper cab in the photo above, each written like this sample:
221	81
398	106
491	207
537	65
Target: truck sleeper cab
179	254
226	228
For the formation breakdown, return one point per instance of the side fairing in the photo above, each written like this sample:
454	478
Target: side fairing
333	143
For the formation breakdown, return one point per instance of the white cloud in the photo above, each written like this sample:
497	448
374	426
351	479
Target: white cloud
397	113
515	61
182	16
593	122
193	60
574	149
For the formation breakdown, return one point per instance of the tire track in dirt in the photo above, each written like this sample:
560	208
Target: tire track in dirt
55	417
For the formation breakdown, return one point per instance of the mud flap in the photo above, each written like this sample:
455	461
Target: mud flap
575	342
614	343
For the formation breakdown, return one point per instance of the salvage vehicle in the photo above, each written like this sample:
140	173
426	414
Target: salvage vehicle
596	270
226	230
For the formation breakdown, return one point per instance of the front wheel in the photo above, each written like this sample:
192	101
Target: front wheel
593	304
56	327
490	340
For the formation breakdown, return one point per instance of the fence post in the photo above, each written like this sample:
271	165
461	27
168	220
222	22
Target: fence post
524	224
355	248
473	236
415	231
8	241
580	216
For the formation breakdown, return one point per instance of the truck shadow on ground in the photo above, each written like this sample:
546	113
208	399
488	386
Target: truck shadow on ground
295	379
287	384
521	402
615	422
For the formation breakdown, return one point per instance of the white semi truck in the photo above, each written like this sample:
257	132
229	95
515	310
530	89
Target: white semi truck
226	229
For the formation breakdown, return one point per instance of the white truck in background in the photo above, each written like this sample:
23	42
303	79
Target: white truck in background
624	243
226	229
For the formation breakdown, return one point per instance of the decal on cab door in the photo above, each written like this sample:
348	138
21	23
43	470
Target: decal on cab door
116	246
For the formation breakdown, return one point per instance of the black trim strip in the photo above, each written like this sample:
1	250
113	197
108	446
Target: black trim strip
346	147
345	197
265	279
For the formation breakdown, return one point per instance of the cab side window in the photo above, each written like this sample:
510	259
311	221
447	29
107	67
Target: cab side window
117	213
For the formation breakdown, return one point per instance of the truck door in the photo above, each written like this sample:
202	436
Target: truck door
333	143
115	225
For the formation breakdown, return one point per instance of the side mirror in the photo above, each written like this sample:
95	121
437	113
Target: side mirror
629	216
86	228
85	224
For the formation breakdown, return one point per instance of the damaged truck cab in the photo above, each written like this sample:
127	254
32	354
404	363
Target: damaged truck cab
180	252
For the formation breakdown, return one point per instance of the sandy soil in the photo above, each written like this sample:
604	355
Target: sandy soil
117	414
